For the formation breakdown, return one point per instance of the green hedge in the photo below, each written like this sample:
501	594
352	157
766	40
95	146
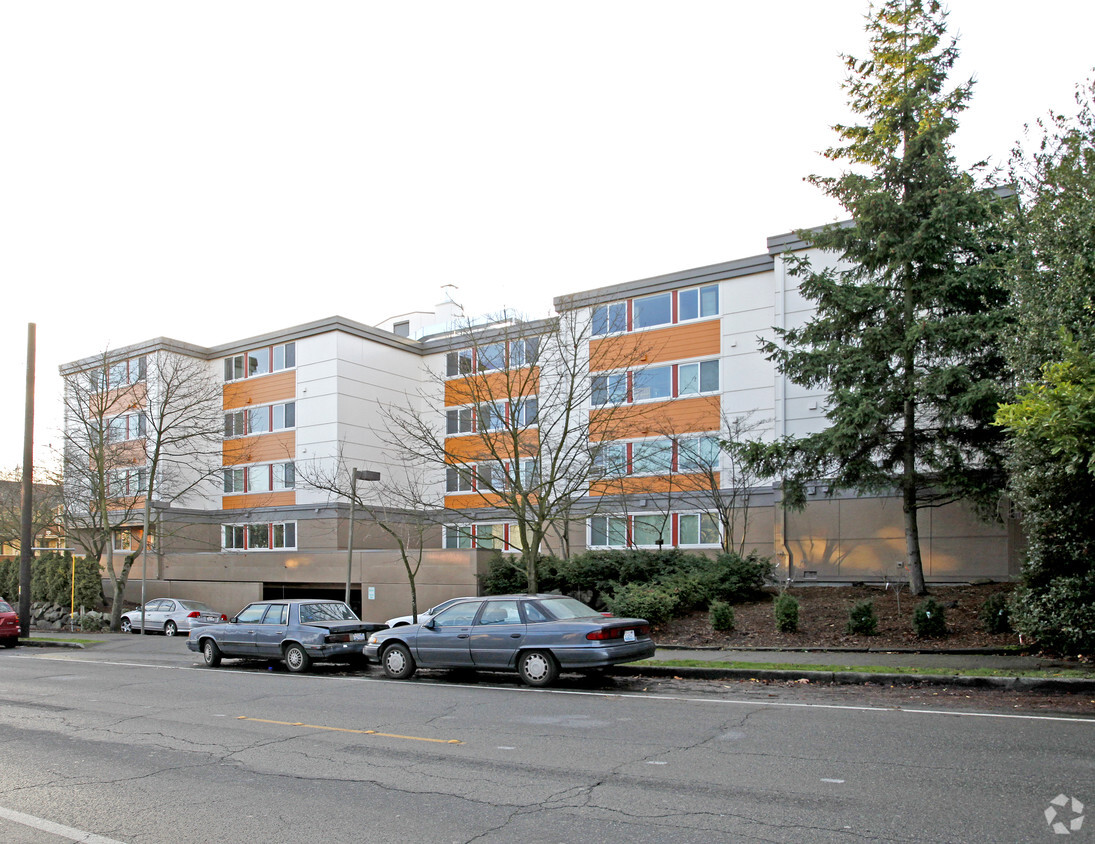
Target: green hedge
51	580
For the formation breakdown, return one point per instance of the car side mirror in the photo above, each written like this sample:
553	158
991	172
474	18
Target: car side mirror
233	619
430	625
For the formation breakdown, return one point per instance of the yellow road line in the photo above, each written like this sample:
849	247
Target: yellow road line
346	730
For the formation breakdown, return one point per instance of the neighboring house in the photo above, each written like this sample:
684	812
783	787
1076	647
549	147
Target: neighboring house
47	537
680	356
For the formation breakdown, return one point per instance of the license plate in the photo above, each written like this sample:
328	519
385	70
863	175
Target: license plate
357	637
629	635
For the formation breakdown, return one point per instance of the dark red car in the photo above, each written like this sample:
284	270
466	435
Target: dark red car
9	625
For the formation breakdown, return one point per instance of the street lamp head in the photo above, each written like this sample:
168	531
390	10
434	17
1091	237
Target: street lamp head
366	475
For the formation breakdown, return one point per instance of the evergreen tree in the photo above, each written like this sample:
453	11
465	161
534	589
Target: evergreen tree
1052	347
905	333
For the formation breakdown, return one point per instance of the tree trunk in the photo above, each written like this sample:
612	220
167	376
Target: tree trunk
913	561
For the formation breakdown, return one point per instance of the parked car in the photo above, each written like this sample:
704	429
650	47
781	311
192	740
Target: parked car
9	625
535	635
294	630
400	621
171	616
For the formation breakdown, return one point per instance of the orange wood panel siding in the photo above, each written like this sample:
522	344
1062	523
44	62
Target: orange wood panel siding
130	453
281	445
283	498
677	342
652	419
492	386
131	397
473	447
650	484
262	389
472	500
136	509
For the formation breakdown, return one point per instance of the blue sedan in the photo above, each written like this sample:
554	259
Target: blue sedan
535	635
296	631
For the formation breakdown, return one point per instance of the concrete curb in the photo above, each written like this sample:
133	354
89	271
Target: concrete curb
38	643
789	650
1026	684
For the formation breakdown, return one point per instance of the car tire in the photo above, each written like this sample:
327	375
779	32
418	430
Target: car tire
211	653
127	626
398	662
11	643
296	658
170	629
537	668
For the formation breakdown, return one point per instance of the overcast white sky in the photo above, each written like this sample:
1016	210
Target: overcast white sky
208	171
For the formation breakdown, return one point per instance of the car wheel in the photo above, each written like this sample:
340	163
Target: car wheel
11	643
398	662
297	659
127	626
170	629
537	668
211	653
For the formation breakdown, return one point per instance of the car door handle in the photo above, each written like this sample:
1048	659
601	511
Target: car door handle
461	635
515	635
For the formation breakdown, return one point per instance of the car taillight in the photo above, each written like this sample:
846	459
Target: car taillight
224	617
337	637
194	614
615	633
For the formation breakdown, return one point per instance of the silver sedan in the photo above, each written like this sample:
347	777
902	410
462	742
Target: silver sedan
535	635
171	616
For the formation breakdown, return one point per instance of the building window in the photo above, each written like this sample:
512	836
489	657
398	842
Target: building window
499	535
402	329
260	536
608	531
697	303
608	389
696	378
698	454
609	319
126	372
698	529
652	457
260	362
651	529
460	421
655	382
123	540
127	483
458	363
285	476
459	479
649	311
130	426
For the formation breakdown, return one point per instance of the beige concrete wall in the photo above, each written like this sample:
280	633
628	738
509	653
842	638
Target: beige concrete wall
864	539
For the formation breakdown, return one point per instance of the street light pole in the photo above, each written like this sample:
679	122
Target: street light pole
355	476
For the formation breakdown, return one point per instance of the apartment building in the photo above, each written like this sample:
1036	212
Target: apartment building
669	365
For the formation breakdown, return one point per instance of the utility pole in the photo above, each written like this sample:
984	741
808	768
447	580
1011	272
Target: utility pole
26	537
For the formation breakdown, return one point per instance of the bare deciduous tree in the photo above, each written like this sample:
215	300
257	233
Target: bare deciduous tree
138	430
513	425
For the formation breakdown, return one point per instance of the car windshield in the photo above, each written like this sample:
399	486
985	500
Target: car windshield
566	608
333	611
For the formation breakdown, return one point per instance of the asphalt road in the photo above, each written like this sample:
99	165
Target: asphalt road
133	742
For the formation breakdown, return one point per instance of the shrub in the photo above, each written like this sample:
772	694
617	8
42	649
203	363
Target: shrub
1060	616
505	575
786	610
641	600
994	614
862	620
721	615
742	578
91	623
930	620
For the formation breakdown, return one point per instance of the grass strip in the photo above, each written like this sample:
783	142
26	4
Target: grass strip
872	669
